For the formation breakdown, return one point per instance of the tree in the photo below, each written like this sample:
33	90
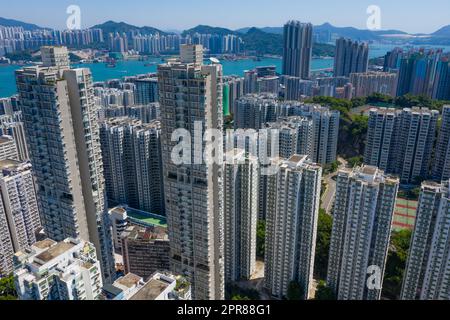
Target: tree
233	292
261	239
7	288
355	161
240	298
324	292
396	264
324	228
295	291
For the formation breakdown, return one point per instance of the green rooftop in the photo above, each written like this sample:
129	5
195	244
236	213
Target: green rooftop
145	218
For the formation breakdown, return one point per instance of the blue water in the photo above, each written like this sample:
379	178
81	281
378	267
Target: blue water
131	68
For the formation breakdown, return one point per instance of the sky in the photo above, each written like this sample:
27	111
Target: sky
406	15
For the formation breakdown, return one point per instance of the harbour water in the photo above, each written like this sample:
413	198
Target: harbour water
101	72
131	68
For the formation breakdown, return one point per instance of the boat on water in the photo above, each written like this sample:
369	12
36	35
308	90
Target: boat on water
111	63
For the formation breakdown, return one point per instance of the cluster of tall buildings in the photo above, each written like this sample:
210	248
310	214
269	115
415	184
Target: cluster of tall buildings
402	142
420	72
255	111
16	39
61	125
94	146
157	43
132	162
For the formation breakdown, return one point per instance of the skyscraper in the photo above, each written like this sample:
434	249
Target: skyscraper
133	166
8	149
351	57
241	184
191	99
401	142
61	126
146	90
67	270
295	136
297	49
292	214
145	250
380	147
254	110
441	87
19	213
362	225
366	84
427	275
441	162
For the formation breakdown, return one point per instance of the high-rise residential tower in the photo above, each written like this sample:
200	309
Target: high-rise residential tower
191	99
441	162
19	212
297	49
241	184
401	142
363	214
351	57
67	270
427	275
61	126
8	149
292	214
133	166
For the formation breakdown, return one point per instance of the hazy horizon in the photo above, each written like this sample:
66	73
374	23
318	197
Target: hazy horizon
185	14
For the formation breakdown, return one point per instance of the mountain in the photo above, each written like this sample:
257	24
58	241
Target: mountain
269	43
347	32
15	23
354	33
262	42
443	32
275	30
121	27
202	29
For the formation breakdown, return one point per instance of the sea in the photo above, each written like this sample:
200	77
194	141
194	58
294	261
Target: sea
126	68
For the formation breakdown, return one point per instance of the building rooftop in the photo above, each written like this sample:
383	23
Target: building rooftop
4	139
44	244
146	233
151	290
146	218
129	281
54	251
10	165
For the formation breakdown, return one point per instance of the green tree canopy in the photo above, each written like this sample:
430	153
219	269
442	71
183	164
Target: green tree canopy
324	292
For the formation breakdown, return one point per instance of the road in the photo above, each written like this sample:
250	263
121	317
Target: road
328	196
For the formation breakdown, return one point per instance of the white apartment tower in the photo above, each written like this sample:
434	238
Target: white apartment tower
427	275
295	136
401	142
8	149
241	184
19	213
441	164
325	128
297	49
191	99
363	214
66	270
133	165
293	201
61	126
